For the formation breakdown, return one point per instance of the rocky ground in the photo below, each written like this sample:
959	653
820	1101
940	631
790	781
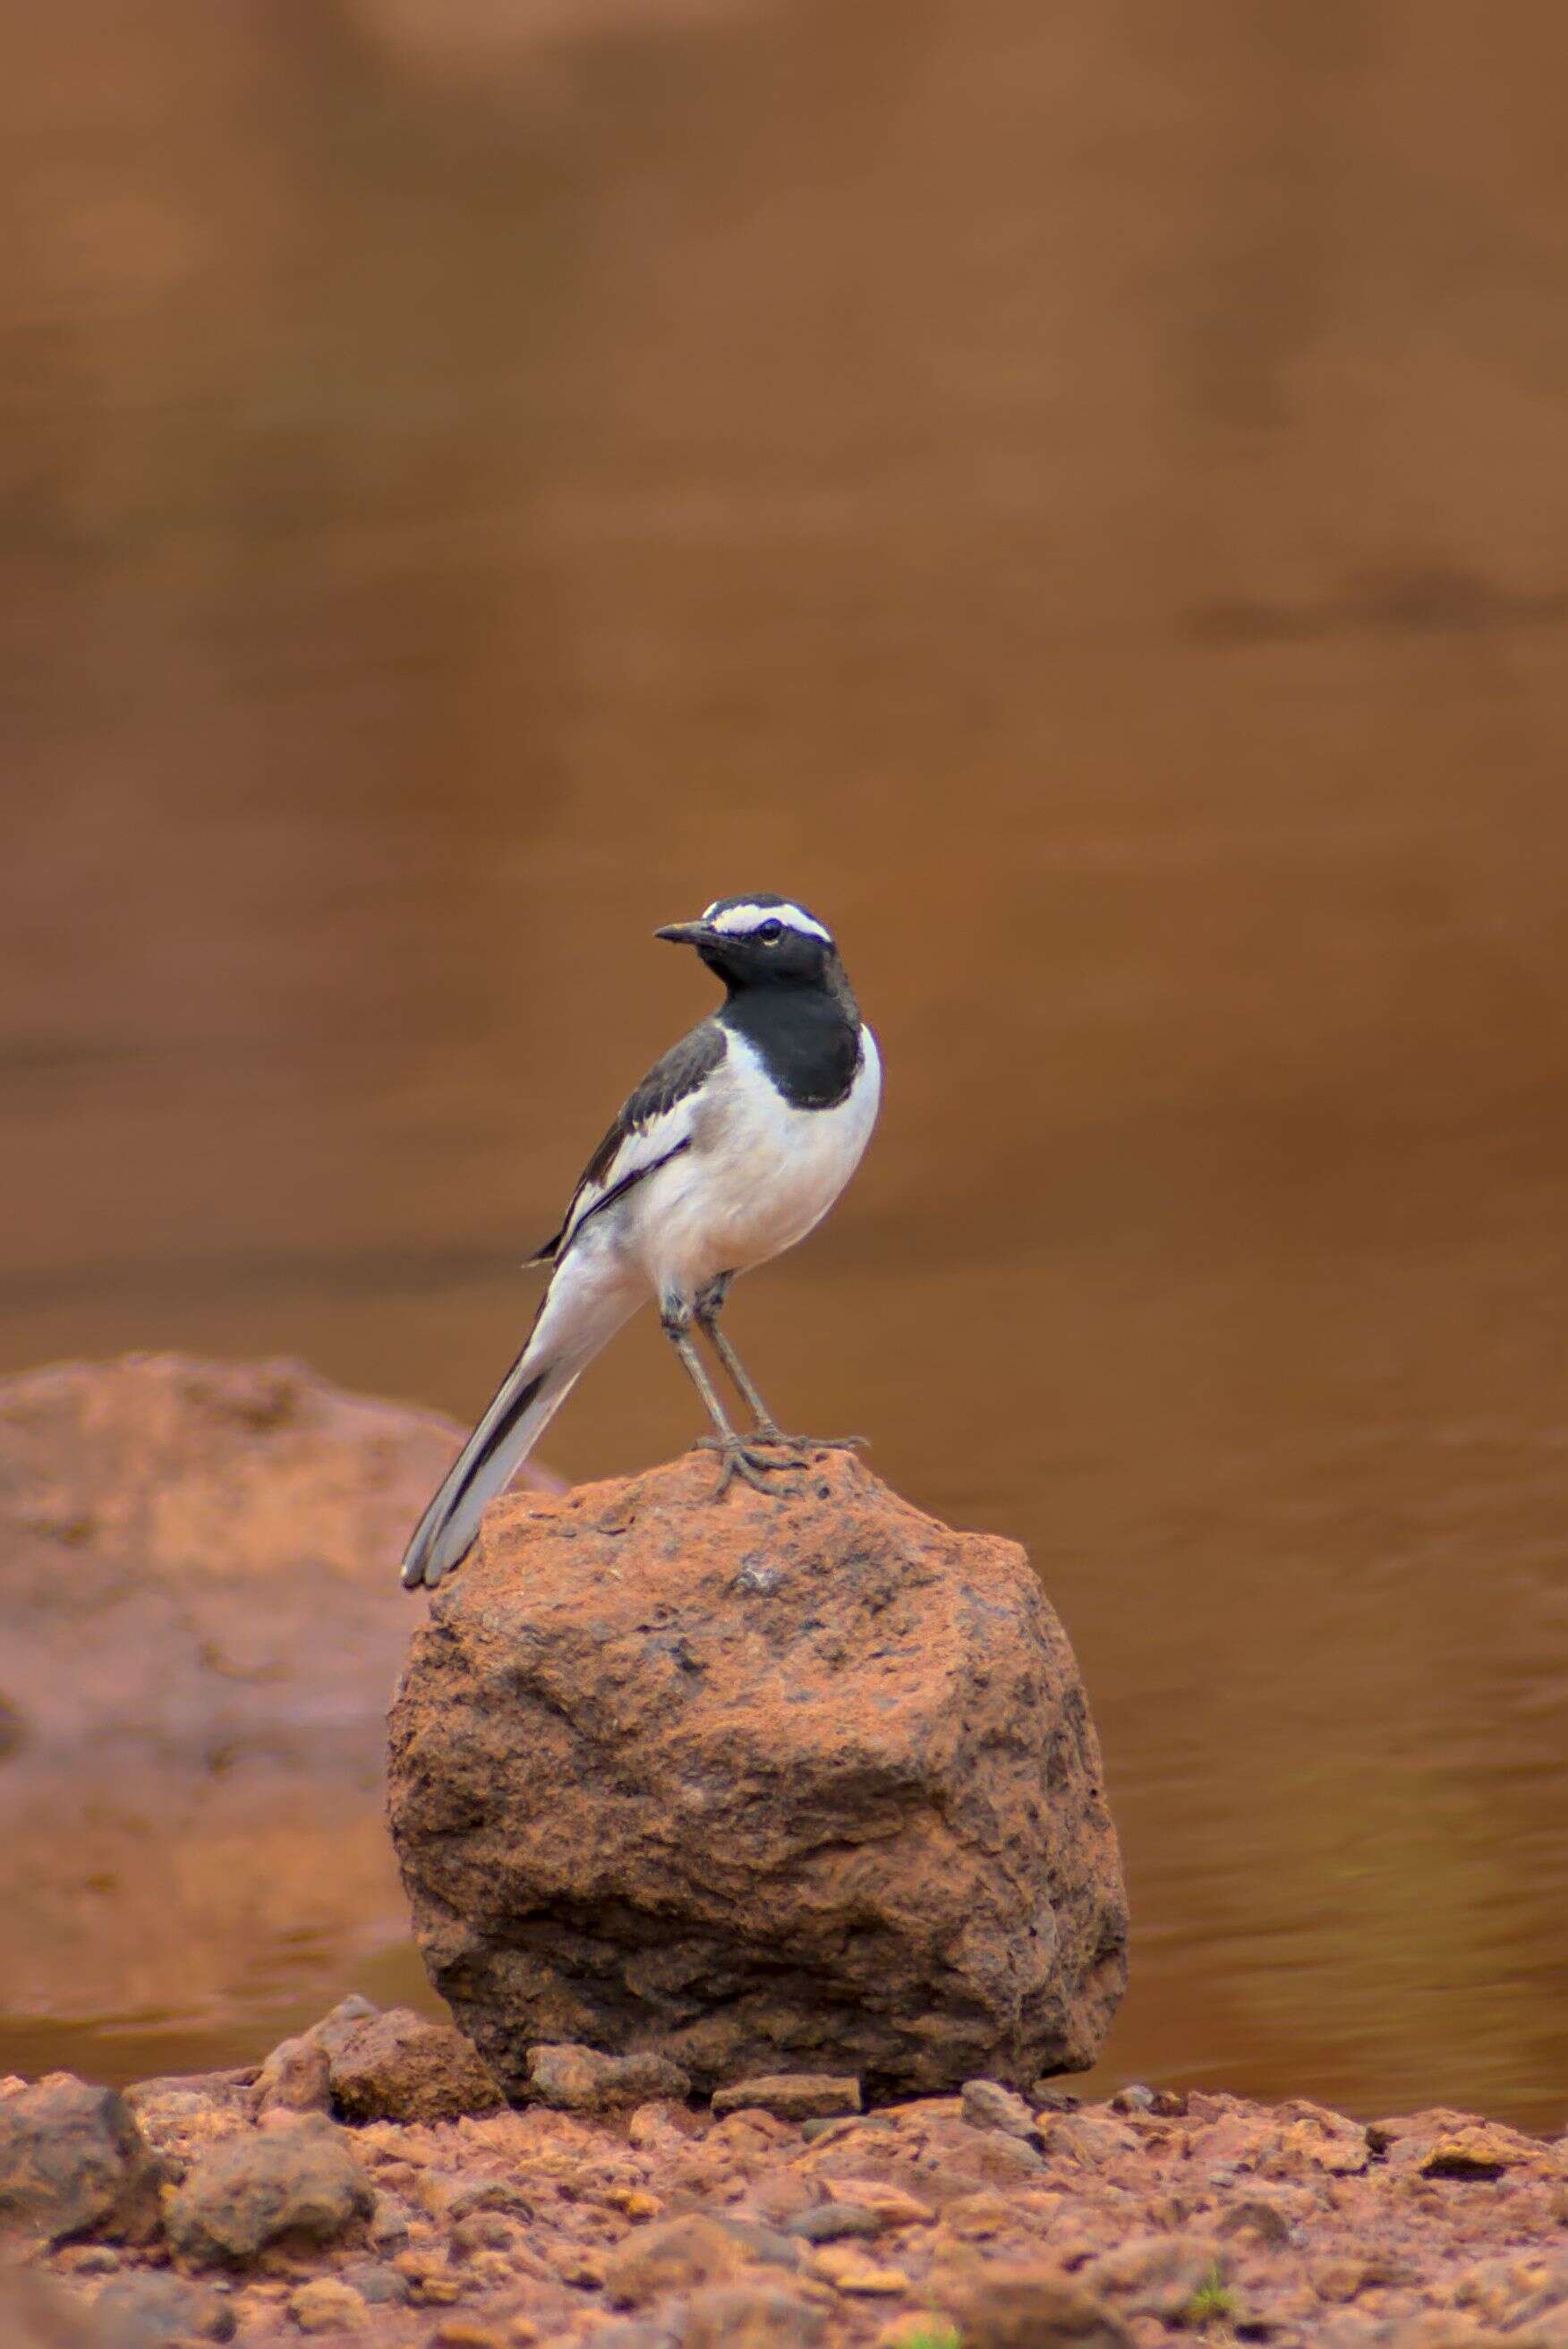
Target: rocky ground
369	2182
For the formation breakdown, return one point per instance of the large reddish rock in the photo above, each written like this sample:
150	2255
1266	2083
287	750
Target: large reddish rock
802	1781
199	1585
192	1549
400	2066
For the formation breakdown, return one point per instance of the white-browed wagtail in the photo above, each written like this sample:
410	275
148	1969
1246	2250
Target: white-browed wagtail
732	1147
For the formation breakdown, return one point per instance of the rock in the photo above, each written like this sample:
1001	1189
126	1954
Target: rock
1047	2097
760	2241
398	2066
428	2272
1155	2275
1480	2152
891	2204
1345	2277
162	2312
674	2257
73	2161
990	2155
478	2195
154	1507
852	2272
1091	2143
987	2105
1133	2098
748	2316
326	2305
198	1561
336	2029
296	2078
388	2228
375	2282
578	2080
1306	2148
833	2222
974	2217
1251	2218
297	2075
1029	2308
791	2097
641	1800
780	2192
661	2127
297	2188
183	2116
1433	2121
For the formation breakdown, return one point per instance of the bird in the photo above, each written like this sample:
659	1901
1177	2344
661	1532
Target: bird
733	1147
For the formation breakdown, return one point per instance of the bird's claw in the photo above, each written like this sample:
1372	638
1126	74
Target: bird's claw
802	1446
739	1460
740	1454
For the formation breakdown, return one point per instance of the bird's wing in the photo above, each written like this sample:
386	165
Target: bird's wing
653	1124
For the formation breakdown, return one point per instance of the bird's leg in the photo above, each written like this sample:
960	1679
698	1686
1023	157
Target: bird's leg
709	1306
738	1459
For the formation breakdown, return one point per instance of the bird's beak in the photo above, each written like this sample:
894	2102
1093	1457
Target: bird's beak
687	934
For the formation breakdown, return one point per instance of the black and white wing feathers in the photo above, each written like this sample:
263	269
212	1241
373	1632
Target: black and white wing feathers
653	1125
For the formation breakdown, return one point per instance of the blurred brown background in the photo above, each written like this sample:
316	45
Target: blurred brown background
1078	496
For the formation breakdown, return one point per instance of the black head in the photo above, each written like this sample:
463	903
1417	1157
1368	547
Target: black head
761	940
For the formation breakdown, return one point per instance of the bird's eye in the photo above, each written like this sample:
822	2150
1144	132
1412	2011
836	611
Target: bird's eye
768	934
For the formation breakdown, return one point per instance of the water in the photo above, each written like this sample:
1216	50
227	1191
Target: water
1076	502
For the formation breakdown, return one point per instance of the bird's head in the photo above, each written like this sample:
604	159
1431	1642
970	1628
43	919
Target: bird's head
759	940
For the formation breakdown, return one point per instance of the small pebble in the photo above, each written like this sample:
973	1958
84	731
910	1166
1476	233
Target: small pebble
849	2271
832	2222
1134	2099
325	2305
89	2259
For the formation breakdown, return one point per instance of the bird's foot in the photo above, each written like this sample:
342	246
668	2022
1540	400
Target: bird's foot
740	1456
802	1446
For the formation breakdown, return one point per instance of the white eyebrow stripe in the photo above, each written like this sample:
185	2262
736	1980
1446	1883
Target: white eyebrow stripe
736	919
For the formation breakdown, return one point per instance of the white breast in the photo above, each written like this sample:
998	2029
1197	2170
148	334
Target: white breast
758	1175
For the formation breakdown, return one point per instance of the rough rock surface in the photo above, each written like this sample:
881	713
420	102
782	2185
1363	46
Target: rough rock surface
580	2080
73	2161
297	2076
666	2227
805	1781
399	2067
791	2097
293	2186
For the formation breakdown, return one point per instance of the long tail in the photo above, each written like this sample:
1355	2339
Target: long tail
583	1307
